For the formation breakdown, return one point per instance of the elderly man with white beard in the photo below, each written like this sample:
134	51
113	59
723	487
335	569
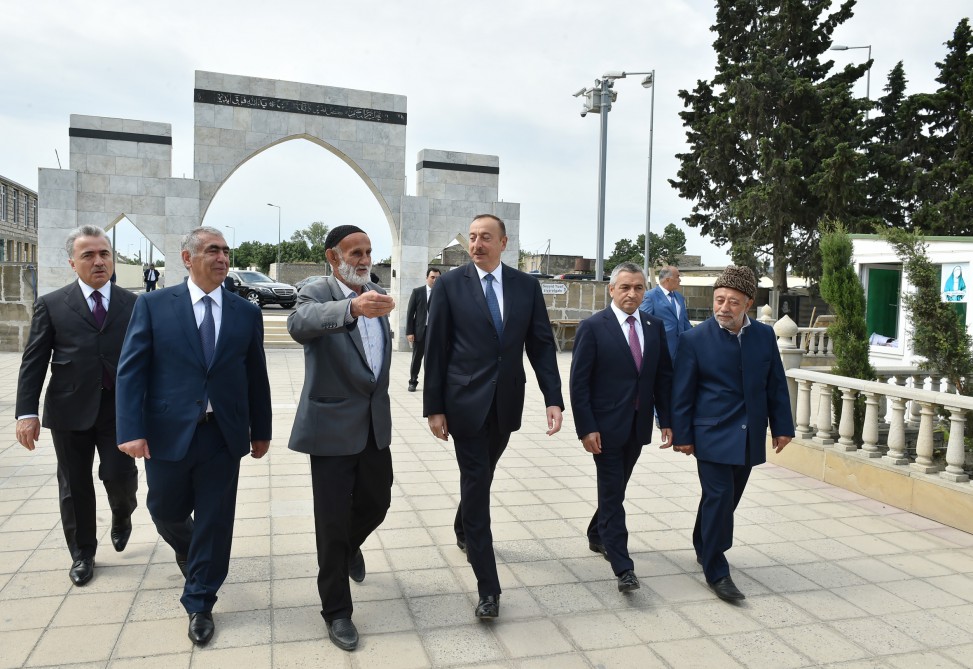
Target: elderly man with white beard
344	420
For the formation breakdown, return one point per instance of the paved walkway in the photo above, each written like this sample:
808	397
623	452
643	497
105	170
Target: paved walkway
832	578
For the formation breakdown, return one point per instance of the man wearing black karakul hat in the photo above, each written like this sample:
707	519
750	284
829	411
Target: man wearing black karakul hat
728	384
344	419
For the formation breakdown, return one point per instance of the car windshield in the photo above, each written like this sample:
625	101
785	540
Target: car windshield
255	277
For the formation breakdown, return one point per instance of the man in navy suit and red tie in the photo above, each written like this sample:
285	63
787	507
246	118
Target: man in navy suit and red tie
620	373
666	302
729	384
482	317
193	398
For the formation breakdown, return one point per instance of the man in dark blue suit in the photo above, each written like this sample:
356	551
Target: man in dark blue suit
193	398
729	384
620	372
666	302
482	317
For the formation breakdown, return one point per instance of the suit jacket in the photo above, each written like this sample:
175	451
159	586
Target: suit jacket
162	375
606	386
725	392
467	366
341	394
656	303
63	332
415	319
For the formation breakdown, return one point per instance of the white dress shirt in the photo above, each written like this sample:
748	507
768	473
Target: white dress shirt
372	337
637	325
497	284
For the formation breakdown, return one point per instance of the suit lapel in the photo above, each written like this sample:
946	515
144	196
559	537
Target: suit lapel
74	300
475	291
118	302
182	313
617	334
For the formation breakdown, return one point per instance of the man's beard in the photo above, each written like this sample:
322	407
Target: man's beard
350	276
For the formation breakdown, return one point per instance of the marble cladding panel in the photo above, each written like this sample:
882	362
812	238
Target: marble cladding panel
352	150
56	219
59	199
296	124
51	179
270	122
86	122
431	190
241	118
94	183
156	169
287	90
182	188
118	204
129	168
236	139
78	162
144	204
360	99
91	201
99	218
211	81
89	145
151	223
235	83
508	210
266	88
378	169
101	164
223	117
391	187
152	186
204	115
207	136
182	206
396	154
154	151
417	205
347	130
116	147
312	93
373	152
124	185
156	128
414	234
258	140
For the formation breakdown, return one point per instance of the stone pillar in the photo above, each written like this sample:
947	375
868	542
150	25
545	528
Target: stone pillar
790	355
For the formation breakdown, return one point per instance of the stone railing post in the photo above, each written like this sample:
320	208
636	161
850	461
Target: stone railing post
955	456
896	454
870	428
790	355
923	461
846	425
802	427
823	435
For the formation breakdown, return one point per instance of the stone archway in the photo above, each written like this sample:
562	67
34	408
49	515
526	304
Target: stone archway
122	166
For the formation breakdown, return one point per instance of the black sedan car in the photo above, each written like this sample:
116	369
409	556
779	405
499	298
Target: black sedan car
260	289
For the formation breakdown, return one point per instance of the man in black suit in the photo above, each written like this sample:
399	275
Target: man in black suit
620	373
79	329
416	318
481	319
151	277
193	399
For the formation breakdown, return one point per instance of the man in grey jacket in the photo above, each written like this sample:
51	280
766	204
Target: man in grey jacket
344	420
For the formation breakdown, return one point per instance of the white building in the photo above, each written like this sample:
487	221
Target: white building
882	275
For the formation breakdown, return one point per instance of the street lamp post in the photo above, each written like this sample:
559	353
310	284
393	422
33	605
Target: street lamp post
868	72
649	82
232	248
598	100
278	235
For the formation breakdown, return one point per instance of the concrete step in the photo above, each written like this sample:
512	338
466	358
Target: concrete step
275	332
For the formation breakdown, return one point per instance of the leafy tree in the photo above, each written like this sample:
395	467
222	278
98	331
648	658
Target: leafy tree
938	334
663	250
774	137
945	185
256	254
313	237
843	291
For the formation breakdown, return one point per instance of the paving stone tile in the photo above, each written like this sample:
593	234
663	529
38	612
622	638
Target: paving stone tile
780	579
874	599
825	605
455	645
382	616
83	643
565	598
927	660
694	653
173	661
17	646
761	649
716	617
391	651
526	638
32	613
78	607
597	630
876	636
822	644
308	654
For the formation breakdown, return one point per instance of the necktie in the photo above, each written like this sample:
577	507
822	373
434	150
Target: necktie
493	305
100	314
207	331
633	343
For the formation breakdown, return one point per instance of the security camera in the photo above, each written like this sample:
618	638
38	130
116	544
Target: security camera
584	112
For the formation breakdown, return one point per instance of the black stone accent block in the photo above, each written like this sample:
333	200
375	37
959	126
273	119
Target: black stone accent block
298	107
457	167
119	136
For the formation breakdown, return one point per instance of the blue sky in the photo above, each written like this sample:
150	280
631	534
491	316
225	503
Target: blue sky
492	78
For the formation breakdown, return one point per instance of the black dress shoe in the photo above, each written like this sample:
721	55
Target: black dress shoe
412	387
356	567
628	581
201	627
461	543
121	530
726	590
181	561
597	548
82	570
488	607
343	633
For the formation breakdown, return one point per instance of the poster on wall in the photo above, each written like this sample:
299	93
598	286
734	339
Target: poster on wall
954	282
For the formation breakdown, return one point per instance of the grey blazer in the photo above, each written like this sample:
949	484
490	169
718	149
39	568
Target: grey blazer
341	395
